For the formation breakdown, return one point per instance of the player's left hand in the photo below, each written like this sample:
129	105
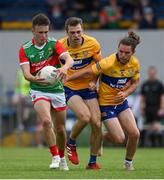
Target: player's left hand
61	73
120	97
92	86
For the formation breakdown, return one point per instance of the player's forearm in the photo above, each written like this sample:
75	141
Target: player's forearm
26	72
79	74
29	76
132	88
68	61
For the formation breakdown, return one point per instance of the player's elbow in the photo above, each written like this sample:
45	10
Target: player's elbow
71	62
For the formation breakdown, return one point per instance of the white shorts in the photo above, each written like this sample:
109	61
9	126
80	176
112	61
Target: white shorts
57	100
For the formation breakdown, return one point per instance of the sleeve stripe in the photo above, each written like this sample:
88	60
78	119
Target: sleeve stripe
23	63
63	53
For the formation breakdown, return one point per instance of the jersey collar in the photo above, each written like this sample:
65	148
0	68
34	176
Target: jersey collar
38	47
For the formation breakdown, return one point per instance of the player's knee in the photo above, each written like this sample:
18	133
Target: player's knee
135	134
47	124
60	130
96	124
120	139
85	117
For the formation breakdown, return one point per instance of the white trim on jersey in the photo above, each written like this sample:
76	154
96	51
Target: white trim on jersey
24	63
40	47
66	52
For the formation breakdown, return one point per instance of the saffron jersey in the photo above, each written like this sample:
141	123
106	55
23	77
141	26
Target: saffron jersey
37	58
84	56
114	77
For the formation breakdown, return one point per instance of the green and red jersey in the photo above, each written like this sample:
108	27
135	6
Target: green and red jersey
38	58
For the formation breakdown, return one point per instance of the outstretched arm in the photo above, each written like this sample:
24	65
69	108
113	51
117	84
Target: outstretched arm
87	71
26	72
29	77
68	63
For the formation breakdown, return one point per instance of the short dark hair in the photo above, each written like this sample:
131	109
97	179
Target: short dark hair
40	20
132	40
73	21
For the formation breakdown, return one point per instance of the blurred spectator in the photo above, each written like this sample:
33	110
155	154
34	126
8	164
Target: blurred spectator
21	95
23	106
95	10
87	10
79	8
128	12
0	22
134	104
110	15
148	21
129	7
152	106
144	4
58	11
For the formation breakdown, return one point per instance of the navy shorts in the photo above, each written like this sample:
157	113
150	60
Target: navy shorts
83	93
108	112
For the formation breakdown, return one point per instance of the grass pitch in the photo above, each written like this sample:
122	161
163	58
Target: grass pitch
33	163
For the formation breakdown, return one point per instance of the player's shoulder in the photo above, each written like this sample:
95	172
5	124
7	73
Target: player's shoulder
91	41
135	60
112	57
109	60
27	44
89	38
51	39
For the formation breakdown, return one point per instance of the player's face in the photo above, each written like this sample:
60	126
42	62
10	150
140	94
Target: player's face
40	34
74	35
124	53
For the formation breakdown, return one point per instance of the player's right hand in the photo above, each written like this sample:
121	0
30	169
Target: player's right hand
40	81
